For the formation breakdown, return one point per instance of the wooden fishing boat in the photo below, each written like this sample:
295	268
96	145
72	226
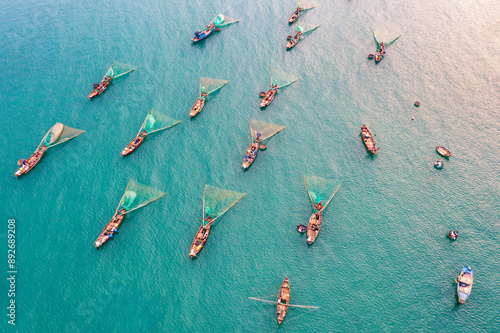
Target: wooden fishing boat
200	239
292	42
251	153
100	87
464	284
380	53
368	140
314	226
283	300
443	151
134	143
110	228
269	96
200	103
27	165
295	15
202	34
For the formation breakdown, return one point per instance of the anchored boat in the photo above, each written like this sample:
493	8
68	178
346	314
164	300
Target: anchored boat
154	122
136	196
116	70
57	134
260	131
302	30
301	7
464	284
368	140
216	202
321	192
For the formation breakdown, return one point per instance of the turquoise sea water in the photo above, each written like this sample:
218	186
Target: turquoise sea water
381	262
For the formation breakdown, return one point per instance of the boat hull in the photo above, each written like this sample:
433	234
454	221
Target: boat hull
292	42
268	98
204	34
132	146
99	90
464	284
197	107
295	16
314	227
199	240
283	300
368	140
31	162
110	229
443	151
250	155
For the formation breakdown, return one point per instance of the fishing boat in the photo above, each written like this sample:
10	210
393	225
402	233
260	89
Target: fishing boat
135	143
453	234
301	228
218	22
154	122
283	300
295	16
100	87
381	47
110	229
368	140
302	30
27	165
439	164
259	131
136	196
321	192
279	80
443	151
299	9
202	34
216	202
314	225
207	86
116	70
464	284
251	152
57	134
292	42
201	238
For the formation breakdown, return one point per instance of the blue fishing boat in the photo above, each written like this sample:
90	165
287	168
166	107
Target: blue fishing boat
218	22
464	284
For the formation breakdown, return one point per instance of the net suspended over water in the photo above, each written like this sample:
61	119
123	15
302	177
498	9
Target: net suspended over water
155	121
138	195
118	69
386	44
208	85
59	133
266	130
306	28
217	201
306	5
321	189
282	79
222	20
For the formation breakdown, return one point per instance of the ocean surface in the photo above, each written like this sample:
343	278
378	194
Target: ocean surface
381	263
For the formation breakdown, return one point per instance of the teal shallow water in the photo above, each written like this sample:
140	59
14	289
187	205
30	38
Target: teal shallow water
381	261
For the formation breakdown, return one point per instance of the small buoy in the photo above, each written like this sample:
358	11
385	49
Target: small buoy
263	147
371	56
262	94
412	118
417	104
217	29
